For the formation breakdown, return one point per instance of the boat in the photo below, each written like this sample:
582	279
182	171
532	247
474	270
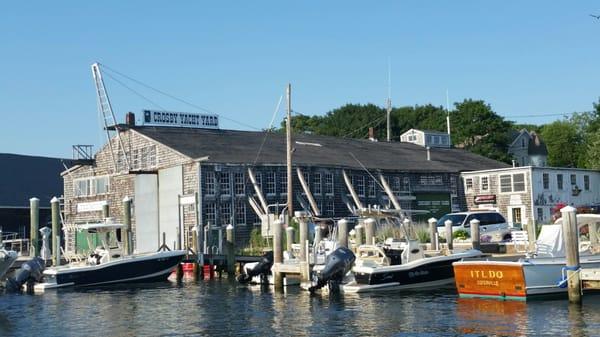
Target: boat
109	263
542	273
7	259
402	264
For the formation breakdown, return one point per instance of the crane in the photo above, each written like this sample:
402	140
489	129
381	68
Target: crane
118	155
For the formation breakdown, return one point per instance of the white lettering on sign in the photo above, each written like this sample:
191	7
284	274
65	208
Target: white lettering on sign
180	119
93	206
187	200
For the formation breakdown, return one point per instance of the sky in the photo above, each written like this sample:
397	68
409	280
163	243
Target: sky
532	61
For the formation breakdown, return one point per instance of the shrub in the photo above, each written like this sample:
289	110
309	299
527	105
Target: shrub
461	234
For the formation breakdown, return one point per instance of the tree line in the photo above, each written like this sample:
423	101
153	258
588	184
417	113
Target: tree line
573	141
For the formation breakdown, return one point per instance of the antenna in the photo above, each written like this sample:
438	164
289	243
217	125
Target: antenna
389	99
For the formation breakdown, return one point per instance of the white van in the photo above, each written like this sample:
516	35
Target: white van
492	225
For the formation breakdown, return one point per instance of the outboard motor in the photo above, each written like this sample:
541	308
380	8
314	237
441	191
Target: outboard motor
337	265
30	271
262	268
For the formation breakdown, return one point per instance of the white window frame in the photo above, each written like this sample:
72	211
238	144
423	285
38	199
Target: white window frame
240	212
329	184
487	183
560	186
283	182
501	185
270	183
225	183
209	183
586	182
317	188
239	183
225	213
546	181
469	185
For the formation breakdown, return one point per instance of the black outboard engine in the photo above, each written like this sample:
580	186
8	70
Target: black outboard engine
337	265
263	268
30	272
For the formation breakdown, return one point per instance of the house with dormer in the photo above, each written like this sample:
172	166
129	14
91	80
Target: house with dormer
527	149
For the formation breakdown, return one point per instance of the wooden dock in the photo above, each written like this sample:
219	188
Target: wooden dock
590	278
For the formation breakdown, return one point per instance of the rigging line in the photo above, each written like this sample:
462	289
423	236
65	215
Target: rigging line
369	173
268	130
134	91
373	124
178	99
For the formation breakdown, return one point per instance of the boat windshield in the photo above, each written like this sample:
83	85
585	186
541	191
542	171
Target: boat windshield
457	219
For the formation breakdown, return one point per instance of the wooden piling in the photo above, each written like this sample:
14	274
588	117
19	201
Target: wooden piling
126	233
277	253
370	231
55	211
289	239
571	238
302	218
475	241
433	237
359	233
34	224
230	237
343	233
448	230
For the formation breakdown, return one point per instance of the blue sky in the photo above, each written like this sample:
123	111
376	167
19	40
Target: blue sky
525	58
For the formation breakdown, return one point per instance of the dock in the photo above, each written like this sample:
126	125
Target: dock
590	278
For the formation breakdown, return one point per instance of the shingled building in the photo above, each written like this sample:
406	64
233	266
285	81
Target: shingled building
166	163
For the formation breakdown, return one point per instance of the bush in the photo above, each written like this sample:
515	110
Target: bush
461	234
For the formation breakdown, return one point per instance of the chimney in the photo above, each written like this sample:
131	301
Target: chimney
372	135
130	119
428	153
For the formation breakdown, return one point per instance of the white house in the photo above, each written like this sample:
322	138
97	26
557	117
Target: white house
426	138
530	193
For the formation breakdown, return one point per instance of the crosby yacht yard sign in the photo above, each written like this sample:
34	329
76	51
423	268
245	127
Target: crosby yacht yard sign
180	119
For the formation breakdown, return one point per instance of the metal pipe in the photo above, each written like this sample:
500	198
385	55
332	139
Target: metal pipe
351	190
309	195
389	192
261	197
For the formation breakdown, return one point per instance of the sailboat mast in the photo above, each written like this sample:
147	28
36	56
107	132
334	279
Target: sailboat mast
288	131
389	101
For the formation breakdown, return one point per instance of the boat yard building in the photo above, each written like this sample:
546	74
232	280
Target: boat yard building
170	172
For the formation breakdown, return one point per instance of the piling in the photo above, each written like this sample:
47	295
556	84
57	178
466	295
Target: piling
433	237
571	238
448	229
370	231
289	239
359	233
475	234
531	234
229	235
343	233
55	210
126	233
34	215
277	253
318	235
303	224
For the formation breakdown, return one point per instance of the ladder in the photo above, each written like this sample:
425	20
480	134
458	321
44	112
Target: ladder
118	155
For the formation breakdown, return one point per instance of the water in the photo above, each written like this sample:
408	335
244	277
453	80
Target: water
223	308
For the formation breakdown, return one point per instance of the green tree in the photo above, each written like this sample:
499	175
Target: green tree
564	143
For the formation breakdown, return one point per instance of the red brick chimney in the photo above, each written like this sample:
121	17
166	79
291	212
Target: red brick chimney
130	119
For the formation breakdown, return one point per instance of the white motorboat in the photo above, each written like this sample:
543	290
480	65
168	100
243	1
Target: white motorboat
109	264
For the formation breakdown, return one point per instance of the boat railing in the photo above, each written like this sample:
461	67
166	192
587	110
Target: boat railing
11	241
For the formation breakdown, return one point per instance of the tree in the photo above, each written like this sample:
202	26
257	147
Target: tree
564	143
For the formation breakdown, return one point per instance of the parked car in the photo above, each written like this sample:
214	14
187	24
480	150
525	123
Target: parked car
492	225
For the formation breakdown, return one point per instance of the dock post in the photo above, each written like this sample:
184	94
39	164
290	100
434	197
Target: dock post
277	254
55	211
303	224
34	216
571	237
229	235
343	233
433	237
531	237
289	239
359	233
370	231
126	234
448	229
475	234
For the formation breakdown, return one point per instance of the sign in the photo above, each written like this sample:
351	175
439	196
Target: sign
93	206
180	119
484	199
515	199
189	199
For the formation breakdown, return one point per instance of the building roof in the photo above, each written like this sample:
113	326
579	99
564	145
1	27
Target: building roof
25	177
242	147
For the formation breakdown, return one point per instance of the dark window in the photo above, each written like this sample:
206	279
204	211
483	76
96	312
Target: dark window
586	183
546	180
559	181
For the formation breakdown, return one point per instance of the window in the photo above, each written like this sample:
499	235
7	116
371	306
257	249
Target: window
82	187
101	185
505	183
225	214
91	186
258	178
485	184
433	180
210	183
329	183
151	161
522	142
329	208
586	182
540	214
406	184
210	213
317	183
573	179
359	183
371	188
445	140
559	181
283	182
546	180
225	186
240	186
240	212
428	139
395	184
468	184
135	159
519	182
270	183
412	138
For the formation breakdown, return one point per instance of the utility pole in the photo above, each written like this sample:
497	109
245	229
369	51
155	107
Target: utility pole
288	130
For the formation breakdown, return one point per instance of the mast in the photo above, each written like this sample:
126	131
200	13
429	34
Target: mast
447	112
389	100
288	131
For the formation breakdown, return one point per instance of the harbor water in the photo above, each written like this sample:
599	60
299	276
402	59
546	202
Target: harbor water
224	308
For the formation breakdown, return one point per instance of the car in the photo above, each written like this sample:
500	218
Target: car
492	224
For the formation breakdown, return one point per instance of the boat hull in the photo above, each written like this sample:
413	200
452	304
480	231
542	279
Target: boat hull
133	269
